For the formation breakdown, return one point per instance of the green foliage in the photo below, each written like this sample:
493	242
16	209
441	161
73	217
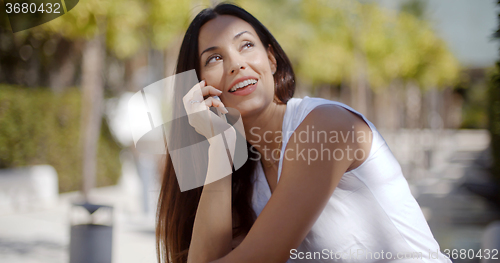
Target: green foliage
414	7
129	25
39	127
322	37
494	112
494	119
474	110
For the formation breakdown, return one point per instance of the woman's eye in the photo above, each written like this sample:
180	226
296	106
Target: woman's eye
213	59
248	45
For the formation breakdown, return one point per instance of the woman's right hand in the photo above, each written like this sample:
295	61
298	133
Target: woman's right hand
208	124
204	121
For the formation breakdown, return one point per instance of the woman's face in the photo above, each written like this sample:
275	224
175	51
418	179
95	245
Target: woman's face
233	57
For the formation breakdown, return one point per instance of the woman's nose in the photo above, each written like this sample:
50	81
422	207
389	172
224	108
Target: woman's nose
235	66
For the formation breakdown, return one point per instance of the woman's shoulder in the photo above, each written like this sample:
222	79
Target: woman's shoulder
334	116
336	126
323	112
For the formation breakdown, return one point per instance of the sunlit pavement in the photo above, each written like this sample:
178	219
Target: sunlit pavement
43	236
459	217
456	216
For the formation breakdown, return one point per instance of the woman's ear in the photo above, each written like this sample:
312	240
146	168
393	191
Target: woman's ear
272	59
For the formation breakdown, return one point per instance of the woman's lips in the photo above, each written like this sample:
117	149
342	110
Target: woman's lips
246	90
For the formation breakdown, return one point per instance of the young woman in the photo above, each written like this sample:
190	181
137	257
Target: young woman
320	183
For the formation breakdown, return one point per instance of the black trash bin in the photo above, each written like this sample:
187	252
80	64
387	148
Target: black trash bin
91	233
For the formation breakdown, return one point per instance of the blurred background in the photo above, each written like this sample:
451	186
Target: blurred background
424	72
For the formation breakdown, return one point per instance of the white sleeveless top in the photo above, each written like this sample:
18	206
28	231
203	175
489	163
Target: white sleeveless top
370	216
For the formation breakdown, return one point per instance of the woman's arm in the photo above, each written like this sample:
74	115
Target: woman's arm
212	231
303	191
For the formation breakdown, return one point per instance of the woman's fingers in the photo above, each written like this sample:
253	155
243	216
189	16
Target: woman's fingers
201	90
211	102
207	90
210	91
194	104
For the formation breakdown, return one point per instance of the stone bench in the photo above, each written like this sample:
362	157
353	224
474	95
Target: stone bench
28	189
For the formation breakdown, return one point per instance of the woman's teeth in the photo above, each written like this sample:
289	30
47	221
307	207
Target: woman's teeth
243	84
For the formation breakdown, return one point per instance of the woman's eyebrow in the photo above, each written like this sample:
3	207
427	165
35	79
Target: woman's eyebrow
234	38
207	50
240	33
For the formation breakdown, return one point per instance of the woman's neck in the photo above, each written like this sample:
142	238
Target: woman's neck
264	131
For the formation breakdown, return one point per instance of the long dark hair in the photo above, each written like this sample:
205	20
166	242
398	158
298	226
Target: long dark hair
177	210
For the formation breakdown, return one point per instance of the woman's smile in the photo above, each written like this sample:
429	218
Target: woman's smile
243	86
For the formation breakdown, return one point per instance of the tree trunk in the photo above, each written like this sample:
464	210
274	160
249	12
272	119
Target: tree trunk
92	106
64	73
413	105
360	82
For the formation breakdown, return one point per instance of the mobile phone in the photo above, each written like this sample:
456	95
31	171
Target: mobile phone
223	116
